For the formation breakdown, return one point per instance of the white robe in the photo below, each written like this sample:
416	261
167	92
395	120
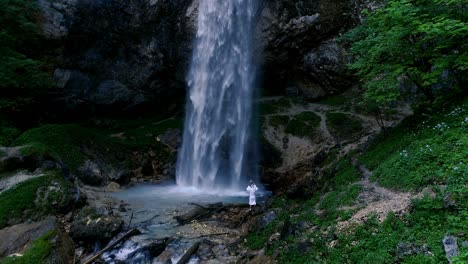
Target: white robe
252	190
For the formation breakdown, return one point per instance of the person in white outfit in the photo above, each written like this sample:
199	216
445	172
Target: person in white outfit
252	188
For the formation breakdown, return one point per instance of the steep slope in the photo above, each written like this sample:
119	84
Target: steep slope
402	199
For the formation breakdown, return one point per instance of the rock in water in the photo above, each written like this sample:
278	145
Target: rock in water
450	247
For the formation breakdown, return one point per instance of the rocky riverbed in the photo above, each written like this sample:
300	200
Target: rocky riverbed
152	209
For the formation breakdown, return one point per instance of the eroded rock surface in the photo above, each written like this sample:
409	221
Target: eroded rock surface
131	56
90	225
19	238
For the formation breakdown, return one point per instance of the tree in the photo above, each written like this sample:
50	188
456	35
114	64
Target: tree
23	74
421	40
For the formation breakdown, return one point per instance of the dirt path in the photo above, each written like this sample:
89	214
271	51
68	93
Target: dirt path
374	199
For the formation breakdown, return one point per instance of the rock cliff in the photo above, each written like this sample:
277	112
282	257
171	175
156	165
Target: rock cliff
133	55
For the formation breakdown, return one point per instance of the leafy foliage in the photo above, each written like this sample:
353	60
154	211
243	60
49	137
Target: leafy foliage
23	72
422	41
432	151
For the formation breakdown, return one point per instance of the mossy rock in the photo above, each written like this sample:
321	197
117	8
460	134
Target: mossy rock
305	124
60	141
38	242
90	225
344	126
37	197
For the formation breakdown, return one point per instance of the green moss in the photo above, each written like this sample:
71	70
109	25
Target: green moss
37	253
268	107
66	142
59	141
145	134
346	174
304	124
336	199
22	200
278	121
344	126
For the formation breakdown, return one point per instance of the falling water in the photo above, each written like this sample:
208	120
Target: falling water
216	142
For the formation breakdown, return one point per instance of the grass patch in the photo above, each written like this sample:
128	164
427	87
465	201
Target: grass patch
372	241
344	126
37	253
25	199
436	153
432	151
345	174
343	197
428	151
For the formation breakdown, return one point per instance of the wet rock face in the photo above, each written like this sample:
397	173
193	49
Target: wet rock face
119	55
56	17
91	225
133	55
299	34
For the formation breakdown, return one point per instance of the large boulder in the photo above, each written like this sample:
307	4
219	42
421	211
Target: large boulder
90	225
19	238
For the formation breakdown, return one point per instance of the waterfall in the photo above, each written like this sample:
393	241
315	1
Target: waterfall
216	146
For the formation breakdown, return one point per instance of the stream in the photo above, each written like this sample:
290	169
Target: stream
151	208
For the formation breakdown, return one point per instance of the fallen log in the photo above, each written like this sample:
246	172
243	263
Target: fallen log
189	253
208	235
130	233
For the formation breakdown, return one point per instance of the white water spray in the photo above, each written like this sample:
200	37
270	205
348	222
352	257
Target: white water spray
215	152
